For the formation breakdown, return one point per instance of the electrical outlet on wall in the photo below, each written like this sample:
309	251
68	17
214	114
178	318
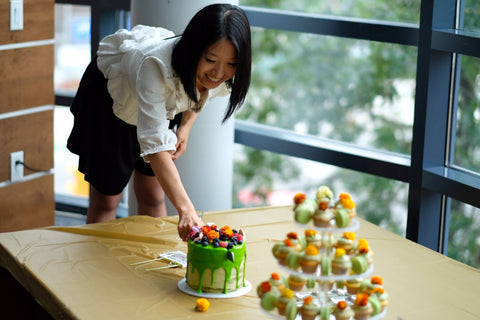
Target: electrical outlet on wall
16	168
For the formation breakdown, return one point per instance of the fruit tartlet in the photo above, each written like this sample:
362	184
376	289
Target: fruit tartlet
309	309
362	307
342	311
310	259
341	263
286	295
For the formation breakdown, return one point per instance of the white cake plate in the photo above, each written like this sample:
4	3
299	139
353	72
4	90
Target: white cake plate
185	288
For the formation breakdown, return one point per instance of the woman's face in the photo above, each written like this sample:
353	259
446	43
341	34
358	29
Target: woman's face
217	65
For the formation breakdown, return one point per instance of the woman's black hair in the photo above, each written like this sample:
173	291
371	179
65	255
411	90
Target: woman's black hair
211	24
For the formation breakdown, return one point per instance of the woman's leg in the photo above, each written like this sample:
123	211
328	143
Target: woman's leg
102	207
150	195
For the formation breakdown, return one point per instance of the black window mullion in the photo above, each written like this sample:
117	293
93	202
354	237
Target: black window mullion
427	210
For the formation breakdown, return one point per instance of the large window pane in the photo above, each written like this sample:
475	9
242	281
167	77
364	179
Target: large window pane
267	178
355	91
72	46
464	233
395	10
467	140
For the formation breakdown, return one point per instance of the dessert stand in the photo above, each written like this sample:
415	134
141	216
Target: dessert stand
321	293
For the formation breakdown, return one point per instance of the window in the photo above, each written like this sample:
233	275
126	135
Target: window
379	10
359	92
72	46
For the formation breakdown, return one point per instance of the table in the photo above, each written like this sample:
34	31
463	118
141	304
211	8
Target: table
84	272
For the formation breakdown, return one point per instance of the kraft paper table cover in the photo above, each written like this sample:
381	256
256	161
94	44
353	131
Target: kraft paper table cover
84	272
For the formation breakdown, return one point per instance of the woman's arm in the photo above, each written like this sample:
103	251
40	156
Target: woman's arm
183	132
169	178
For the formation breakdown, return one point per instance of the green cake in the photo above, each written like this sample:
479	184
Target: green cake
216	260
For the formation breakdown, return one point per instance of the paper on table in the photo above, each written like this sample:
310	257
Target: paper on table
177	257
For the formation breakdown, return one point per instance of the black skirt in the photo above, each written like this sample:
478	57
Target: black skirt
107	147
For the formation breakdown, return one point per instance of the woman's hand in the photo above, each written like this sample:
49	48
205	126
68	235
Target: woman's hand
169	178
182	140
186	222
183	131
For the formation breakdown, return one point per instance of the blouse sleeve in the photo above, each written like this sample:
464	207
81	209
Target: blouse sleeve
152	125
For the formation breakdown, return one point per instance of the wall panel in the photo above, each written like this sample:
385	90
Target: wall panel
26	78
38	21
31	133
26	115
27	205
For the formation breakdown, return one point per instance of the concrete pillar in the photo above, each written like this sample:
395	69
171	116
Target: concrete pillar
206	168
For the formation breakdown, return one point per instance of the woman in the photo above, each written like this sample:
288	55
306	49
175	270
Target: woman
157	83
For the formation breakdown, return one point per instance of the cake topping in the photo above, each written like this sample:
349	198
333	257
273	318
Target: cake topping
225	237
292	235
376	280
324	192
350	235
265	286
323	206
275	276
346	201
342	305
202	304
340	252
287	293
227	231
212	234
307	300
363	246
288	242
311	250
361	299
310	233
378	290
299	198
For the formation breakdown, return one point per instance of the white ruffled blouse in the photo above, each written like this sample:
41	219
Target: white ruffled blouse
145	89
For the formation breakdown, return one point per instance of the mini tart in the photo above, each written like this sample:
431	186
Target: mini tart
362	307
309	309
342	311
341	263
322	218
310	259
362	312
285	297
353	285
309	263
296	283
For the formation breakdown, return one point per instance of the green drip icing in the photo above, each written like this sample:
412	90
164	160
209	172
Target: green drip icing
202	258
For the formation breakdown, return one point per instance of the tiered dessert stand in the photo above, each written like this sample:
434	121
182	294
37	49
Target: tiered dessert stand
322	292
